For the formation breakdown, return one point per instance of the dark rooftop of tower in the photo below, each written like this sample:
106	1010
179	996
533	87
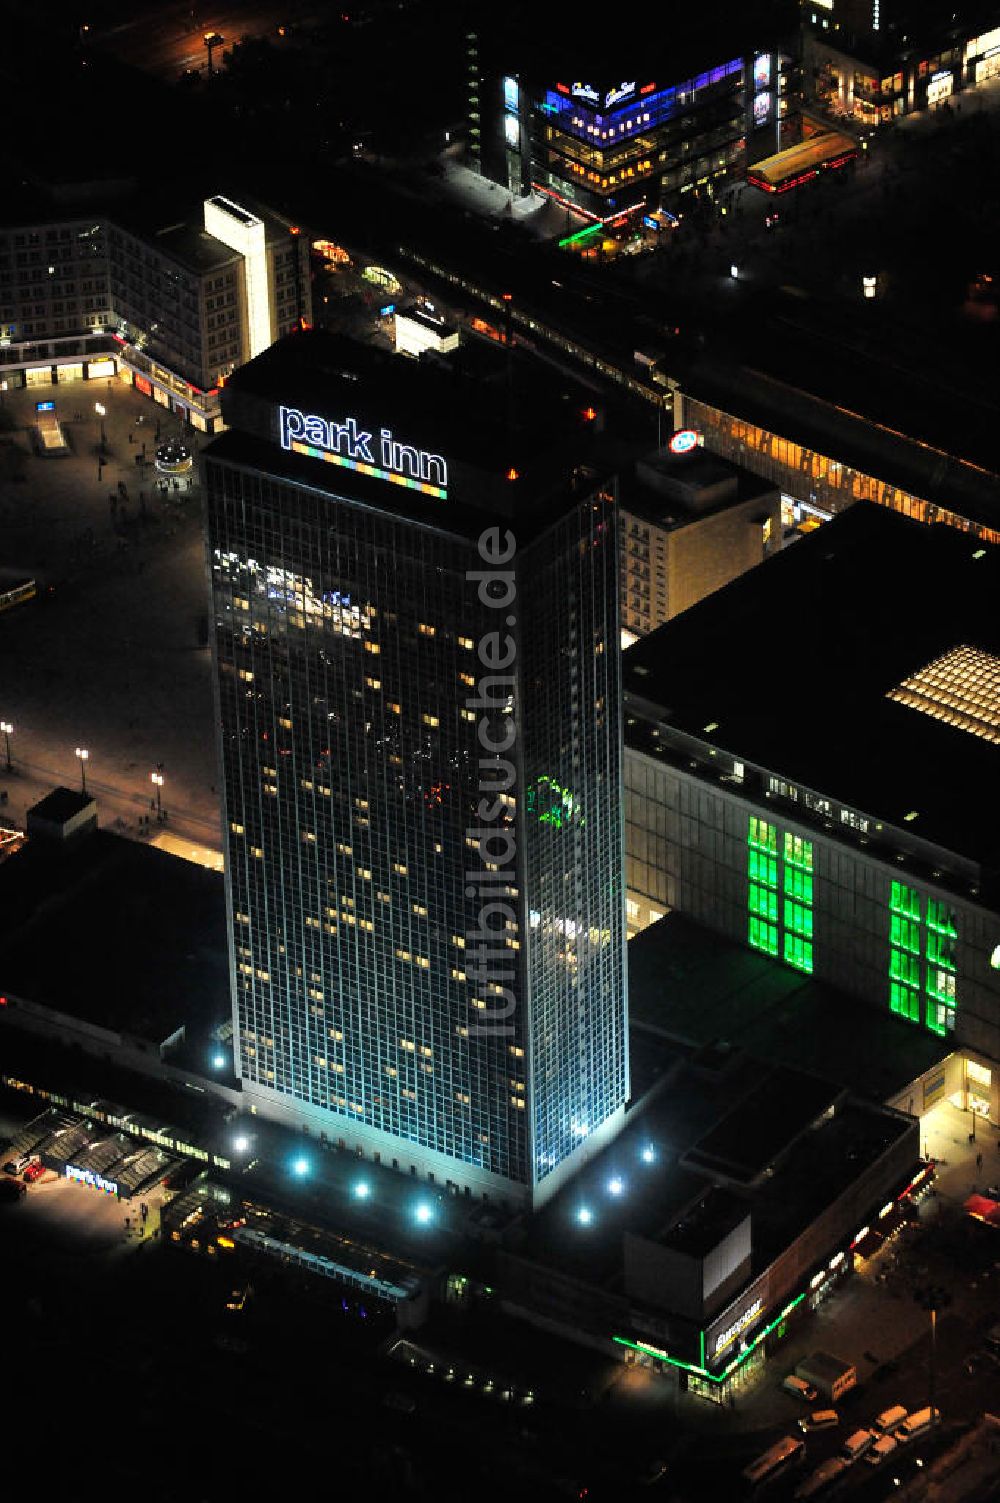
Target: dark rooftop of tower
518	444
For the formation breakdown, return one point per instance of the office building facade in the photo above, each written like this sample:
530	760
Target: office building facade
172	310
842	832
688	524
427	942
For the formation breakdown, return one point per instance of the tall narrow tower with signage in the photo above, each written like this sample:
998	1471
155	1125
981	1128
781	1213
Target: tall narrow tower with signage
415	625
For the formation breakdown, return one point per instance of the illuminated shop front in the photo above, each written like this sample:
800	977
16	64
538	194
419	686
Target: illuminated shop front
199	408
982	57
819	485
731	1353
610	144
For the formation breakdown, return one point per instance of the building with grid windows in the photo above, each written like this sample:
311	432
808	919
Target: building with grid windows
422	786
810	759
610	120
689	522
168	302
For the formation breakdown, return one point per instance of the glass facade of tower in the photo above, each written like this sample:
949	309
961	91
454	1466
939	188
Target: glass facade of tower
573	835
346	645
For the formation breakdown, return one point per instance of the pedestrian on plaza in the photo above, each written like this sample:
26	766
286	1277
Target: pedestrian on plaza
979	1160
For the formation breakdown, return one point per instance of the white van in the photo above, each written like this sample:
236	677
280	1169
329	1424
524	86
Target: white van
890	1419
800	1388
917	1423
883	1447
819	1419
857	1444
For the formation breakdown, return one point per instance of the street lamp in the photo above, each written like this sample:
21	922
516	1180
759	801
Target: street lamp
932	1298
102	413
7	729
212	40
84	756
157	780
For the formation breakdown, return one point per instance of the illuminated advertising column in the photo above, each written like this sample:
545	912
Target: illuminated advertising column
513	137
762	106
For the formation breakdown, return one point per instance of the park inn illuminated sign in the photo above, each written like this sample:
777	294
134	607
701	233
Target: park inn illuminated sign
355	448
88	1177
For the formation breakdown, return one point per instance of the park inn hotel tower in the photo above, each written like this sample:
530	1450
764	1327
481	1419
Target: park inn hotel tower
422	761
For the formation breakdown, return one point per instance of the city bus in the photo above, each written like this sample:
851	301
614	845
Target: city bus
785	1454
802	162
16	589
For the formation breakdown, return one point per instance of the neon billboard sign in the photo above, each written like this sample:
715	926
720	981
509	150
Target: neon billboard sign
354	448
587	92
618	93
684	440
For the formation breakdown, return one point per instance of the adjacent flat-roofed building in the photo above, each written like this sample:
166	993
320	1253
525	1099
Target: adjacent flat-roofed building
423	818
732	1205
689	523
111	947
829	799
170	303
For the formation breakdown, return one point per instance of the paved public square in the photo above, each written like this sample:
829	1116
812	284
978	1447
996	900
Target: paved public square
109	656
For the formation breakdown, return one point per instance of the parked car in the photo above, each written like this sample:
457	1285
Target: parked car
883	1447
890	1419
917	1423
34	1171
800	1388
819	1419
856	1445
15	1165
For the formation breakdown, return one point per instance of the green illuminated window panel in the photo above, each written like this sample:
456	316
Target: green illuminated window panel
763	868
763	902
905	900
799	852
903	967
798	919
762	835
941	986
941	918
905	1001
941	950
798	884
905	933
940	1019
799	953
763	936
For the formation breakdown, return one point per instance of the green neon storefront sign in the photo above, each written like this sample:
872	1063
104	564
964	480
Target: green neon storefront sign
702	1371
